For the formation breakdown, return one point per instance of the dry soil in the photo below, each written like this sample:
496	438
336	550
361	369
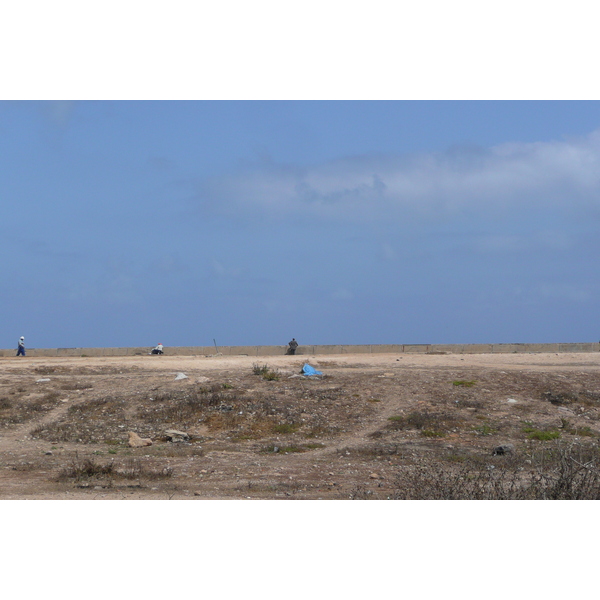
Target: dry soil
259	429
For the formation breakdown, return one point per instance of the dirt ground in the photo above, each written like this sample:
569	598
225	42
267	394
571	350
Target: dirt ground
257	428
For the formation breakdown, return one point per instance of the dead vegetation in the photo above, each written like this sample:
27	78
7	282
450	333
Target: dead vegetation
85	469
560	472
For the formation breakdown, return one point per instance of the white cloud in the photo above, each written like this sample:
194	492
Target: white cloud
514	175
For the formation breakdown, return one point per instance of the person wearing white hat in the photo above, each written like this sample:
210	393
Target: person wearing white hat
21	347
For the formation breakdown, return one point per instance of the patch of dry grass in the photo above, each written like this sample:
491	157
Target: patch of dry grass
87	468
561	472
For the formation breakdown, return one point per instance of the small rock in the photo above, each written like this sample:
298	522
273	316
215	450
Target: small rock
201	379
135	441
374	476
49	453
177	436
42	380
511	401
180	376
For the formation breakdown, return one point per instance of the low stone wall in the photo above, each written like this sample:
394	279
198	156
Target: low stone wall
316	350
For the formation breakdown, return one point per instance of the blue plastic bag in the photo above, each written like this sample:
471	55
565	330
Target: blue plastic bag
308	370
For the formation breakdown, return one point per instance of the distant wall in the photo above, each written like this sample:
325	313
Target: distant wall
316	350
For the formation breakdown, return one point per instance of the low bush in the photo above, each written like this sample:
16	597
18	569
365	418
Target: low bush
86	468
430	424
265	372
542	435
561	472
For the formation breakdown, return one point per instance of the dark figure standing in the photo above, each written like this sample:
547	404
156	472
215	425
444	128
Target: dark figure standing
21	347
292	346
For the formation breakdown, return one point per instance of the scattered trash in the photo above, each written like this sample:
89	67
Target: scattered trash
511	401
180	376
42	380
308	370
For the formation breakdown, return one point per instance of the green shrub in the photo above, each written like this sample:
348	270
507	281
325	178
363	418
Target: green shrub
265	372
484	429
534	433
434	424
432	433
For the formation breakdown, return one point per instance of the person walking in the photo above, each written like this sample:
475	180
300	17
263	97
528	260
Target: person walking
21	347
292	346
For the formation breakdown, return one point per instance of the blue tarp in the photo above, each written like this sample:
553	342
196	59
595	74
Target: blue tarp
308	370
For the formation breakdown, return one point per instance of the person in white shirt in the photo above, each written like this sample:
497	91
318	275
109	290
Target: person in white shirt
157	350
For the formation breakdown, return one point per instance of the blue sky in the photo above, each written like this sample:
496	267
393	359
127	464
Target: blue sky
130	223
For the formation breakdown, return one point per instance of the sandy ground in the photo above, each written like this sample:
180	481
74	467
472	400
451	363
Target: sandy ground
293	437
